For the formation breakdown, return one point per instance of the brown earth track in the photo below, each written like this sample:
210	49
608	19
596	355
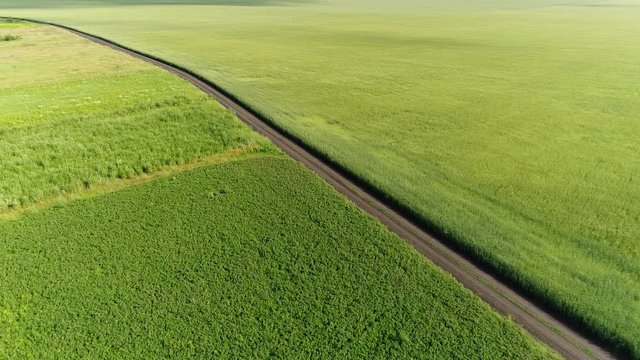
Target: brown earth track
540	323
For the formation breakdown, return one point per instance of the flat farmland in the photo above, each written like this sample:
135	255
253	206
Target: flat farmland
510	129
151	223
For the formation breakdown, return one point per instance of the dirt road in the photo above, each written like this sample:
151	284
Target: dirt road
534	319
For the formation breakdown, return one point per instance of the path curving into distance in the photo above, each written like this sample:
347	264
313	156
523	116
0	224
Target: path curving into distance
540	323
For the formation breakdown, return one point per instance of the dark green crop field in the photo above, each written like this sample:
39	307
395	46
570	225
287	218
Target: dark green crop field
255	258
508	127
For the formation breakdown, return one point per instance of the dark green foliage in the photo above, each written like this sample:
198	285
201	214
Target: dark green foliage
251	259
9	37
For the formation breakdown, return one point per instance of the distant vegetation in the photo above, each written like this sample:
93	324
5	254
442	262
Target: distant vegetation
512	133
251	259
8	23
9	37
100	3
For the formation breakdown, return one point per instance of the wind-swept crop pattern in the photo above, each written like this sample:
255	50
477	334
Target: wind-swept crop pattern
74	115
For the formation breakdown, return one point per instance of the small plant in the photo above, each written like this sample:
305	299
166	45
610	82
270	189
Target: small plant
9	37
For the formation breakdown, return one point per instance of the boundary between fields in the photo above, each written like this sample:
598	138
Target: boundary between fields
496	290
117	184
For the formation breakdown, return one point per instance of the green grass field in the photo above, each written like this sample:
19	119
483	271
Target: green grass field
255	258
84	115
119	239
509	127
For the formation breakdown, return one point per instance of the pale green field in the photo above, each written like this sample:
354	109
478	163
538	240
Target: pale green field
511	128
75	115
